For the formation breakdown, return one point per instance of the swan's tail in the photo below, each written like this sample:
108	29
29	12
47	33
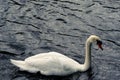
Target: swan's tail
18	63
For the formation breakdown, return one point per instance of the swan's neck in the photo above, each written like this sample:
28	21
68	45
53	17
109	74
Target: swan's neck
87	62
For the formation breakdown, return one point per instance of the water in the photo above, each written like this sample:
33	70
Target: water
28	27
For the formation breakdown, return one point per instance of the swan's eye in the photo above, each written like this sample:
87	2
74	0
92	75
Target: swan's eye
99	43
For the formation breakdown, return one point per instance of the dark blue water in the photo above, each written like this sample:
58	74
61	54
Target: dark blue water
28	27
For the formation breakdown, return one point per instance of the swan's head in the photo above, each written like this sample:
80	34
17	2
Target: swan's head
94	38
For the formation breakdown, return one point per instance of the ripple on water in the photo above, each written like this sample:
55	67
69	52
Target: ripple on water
28	27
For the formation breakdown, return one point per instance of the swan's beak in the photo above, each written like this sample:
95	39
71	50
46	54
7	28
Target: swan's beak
99	43
100	46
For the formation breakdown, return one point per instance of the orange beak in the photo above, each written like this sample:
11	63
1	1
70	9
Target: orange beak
99	43
100	46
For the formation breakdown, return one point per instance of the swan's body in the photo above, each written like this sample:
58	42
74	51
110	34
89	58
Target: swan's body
54	63
51	63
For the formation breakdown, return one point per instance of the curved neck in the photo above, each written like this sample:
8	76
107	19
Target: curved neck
87	62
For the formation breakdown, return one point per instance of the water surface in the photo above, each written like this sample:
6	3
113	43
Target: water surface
28	27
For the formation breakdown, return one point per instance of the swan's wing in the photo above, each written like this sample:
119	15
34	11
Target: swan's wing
53	63
48	63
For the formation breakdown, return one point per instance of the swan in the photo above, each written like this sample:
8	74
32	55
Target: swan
54	63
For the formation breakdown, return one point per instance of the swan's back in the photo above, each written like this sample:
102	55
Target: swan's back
45	55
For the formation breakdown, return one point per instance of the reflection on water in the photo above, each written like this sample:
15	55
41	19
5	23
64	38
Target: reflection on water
89	75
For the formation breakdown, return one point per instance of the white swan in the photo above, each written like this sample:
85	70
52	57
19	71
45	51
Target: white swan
54	63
